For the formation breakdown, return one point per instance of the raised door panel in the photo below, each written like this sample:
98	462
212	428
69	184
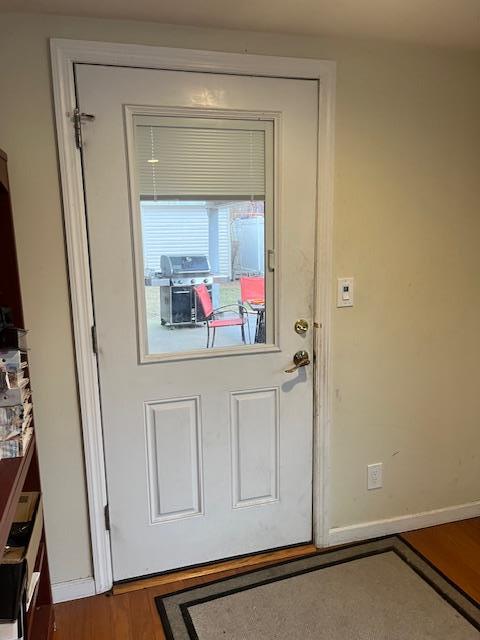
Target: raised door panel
174	458
255	447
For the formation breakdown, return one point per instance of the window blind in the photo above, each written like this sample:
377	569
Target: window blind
195	162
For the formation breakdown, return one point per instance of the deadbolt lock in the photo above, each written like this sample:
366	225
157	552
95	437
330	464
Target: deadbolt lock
301	327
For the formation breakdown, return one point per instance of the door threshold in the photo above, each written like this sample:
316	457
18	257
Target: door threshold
211	568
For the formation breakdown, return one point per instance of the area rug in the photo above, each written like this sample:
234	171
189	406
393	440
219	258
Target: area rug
380	590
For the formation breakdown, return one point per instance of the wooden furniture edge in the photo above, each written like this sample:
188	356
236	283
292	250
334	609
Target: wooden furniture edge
21	473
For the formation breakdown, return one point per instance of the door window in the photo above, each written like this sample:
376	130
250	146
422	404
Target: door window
203	233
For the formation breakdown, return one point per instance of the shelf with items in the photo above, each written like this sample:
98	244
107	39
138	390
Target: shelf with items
16	409
19	474
13	472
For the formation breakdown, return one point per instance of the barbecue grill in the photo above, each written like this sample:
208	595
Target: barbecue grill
178	302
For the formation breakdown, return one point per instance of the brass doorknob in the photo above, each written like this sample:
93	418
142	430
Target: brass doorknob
300	359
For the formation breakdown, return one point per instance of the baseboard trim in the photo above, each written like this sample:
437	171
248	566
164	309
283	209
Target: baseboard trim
73	589
390	526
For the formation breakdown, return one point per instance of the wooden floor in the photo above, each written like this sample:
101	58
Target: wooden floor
131	615
454	549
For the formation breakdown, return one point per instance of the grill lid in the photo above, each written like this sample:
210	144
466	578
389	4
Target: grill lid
181	265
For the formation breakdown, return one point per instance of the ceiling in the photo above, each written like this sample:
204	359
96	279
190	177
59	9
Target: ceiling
454	23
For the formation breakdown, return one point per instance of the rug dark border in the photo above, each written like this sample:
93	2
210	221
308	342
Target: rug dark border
184	607
159	599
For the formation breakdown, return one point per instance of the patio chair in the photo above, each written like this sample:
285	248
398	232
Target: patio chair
252	293
252	290
212	320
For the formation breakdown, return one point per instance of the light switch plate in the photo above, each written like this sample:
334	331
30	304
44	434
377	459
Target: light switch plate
345	292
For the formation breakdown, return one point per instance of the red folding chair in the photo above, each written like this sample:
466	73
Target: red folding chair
252	292
213	322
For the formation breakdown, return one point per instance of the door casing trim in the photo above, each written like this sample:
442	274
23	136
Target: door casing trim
64	55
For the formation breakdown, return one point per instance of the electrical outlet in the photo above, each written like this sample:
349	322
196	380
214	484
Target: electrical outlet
375	476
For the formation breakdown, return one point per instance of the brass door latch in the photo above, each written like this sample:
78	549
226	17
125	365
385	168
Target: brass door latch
300	359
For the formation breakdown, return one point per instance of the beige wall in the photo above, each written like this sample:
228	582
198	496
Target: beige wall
406	226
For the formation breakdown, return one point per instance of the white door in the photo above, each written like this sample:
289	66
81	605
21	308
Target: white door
201	193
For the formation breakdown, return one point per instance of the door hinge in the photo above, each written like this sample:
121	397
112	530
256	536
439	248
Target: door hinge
78	117
106	512
94	340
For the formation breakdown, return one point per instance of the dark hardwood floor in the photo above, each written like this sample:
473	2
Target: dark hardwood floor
131	615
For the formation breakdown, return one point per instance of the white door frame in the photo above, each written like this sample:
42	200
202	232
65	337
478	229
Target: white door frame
64	54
